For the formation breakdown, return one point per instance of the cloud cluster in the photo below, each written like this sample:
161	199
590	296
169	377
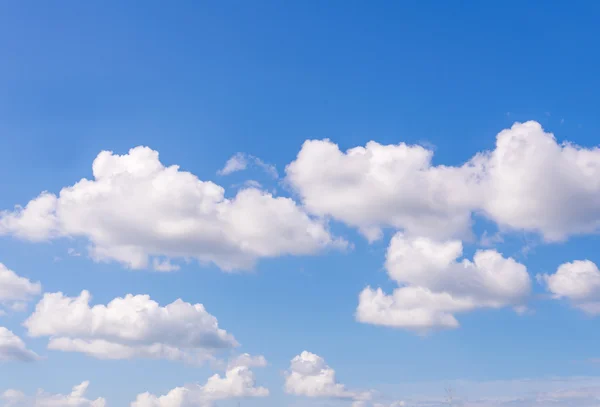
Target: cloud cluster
12	348
528	182
16	290
135	208
435	284
131	327
15	398
238	382
579	282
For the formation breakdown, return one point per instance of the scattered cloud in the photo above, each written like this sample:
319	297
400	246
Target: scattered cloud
247	360
135	208
435	285
237	162
164	265
488	240
12	348
238	382
130	327
16	290
579	282
72	252
310	376
15	398
383	185
529	182
241	161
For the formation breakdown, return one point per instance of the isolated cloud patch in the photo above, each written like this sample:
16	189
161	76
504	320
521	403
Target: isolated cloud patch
135	208
309	376
15	398
435	285
578	282
12	348
528	182
238	382
15	290
241	161
131	327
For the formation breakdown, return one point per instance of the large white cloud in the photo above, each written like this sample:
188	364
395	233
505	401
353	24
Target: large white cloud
238	382
15	289
129	327
12	348
528	182
579	282
383	185
536	184
15	398
434	284
310	376
135	208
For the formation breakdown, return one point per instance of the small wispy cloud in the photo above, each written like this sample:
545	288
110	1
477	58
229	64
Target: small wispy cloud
241	162
72	252
238	162
164	266
488	240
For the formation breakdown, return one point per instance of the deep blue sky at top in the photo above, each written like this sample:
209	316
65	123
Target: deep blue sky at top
201	80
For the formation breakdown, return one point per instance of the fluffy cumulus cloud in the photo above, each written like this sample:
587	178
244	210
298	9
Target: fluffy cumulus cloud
238	382
578	282
131	327
528	182
384	185
310	376
534	183
136	208
77	398
435	284
12	348
15	290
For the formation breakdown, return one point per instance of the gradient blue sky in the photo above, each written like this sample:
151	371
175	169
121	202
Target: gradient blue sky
200	81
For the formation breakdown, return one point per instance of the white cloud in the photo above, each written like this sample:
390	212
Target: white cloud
434	285
135	208
15	398
238	382
12	348
310	376
247	360
578	282
129	327
72	252
528	182
241	161
535	184
377	185
237	162
15	290
164	265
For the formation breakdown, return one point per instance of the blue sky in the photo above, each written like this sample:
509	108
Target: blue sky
198	82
